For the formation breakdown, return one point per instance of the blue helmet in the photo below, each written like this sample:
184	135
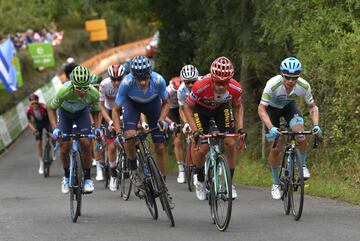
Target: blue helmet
141	67
290	65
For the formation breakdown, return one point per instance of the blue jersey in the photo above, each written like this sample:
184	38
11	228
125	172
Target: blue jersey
129	89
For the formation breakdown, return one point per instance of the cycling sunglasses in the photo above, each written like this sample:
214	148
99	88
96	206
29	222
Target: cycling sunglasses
291	77
81	89
189	82
116	79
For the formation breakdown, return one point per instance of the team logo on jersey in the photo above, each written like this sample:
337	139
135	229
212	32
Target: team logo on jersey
202	88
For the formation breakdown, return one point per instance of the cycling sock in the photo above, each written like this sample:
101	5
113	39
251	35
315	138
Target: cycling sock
303	158
87	173
181	166
113	171
66	172
200	174
275	175
132	164
40	159
232	173
112	164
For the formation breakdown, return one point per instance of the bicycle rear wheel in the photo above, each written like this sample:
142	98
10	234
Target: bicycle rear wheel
47	158
284	179
76	189
296	188
161	189
124	176
221	194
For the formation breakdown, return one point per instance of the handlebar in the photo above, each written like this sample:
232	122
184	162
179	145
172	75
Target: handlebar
293	134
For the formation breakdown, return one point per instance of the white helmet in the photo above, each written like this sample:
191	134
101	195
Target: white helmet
189	73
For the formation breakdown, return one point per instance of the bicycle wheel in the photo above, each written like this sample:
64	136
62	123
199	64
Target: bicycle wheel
47	158
161	189
106	168
189	170
284	179
147	191
76	189
124	176
221	194
296	187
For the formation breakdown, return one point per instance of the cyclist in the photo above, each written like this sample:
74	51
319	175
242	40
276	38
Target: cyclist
278	100
37	121
108	89
73	101
211	98
174	118
142	91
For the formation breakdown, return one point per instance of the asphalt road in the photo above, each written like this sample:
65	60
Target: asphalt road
33	208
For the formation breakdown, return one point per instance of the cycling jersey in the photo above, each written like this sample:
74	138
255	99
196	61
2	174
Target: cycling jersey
182	94
107	93
203	94
172	97
66	99
276	95
37	114
129	89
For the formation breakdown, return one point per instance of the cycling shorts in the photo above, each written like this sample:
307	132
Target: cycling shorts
40	125
131	116
289	112
67	119
223	116
174	115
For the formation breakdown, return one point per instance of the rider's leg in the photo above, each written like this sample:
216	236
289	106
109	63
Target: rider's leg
160	152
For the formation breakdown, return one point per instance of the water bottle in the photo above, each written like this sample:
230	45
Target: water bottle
145	169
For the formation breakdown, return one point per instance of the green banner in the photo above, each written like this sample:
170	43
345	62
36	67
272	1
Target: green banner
42	55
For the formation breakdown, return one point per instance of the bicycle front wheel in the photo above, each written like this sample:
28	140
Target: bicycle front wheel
46	158
296	188
284	174
221	193
76	189
124	176
161	189
189	170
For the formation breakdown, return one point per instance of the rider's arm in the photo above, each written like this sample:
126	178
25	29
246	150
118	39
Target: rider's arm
314	114
52	117
164	109
116	109
239	115
264	116
104	112
182	114
189	113
96	117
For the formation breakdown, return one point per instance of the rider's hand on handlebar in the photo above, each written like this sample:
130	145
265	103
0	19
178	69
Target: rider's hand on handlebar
273	133
97	133
56	133
196	135
172	126
316	130
145	126
163	125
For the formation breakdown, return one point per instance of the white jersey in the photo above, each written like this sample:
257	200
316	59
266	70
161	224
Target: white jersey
107	93
182	94
173	98
276	96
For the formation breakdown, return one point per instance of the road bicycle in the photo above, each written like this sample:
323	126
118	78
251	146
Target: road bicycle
218	177
76	178
153	185
291	174
48	154
123	173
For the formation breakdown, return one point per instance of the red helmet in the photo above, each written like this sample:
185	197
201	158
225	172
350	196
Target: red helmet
33	97
116	71
175	83
222	70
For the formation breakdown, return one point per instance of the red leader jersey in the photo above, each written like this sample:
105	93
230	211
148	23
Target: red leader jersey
203	94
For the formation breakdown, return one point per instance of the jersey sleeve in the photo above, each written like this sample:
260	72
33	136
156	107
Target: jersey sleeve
102	92
28	114
164	95
122	93
181	97
308	97
95	104
266	95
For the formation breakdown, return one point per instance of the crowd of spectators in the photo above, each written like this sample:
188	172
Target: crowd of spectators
51	35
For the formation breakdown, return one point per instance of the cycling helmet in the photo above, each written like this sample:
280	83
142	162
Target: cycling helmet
222	70
126	65
189	73
80	76
116	71
141	67
94	79
175	83
33	97
291	66
69	68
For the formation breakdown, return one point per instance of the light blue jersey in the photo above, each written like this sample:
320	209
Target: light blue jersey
129	89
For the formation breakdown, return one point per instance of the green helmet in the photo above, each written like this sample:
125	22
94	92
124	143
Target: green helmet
80	76
94	79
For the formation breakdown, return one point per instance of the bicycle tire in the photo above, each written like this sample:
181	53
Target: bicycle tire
148	191
106	168
124	176
46	158
221	191
283	173
76	189
297	187
189	172
161	189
